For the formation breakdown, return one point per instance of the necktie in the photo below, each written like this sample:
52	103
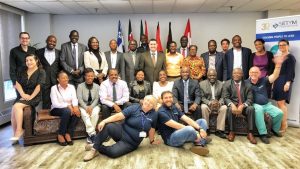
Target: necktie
74	56
133	57
114	92
153	58
183	52
89	98
239	93
186	97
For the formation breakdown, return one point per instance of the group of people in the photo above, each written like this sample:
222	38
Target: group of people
147	90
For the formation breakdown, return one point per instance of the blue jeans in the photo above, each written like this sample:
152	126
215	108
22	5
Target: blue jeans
186	134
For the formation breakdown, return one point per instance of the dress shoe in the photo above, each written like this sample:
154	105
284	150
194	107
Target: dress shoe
231	136
68	139
208	132
264	139
251	138
70	143
220	134
90	155
202	151
63	143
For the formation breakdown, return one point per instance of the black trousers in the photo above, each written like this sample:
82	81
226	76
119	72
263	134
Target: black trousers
197	114
67	121
106	111
121	147
248	112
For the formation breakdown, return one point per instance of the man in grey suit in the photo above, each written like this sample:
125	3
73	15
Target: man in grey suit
212	101
114	58
131	61
71	58
49	58
183	49
187	96
152	62
215	60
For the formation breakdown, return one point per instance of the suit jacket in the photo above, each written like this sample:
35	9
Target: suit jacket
193	91
206	94
119	64
230	93
187	51
91	61
51	70
129	67
134	91
271	65
246	54
152	71
67	60
220	65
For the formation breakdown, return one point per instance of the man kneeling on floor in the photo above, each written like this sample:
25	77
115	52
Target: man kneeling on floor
176	134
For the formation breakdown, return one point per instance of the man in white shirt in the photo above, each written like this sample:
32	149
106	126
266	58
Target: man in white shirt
114	58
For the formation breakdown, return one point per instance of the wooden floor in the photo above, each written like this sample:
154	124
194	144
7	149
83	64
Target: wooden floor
282	153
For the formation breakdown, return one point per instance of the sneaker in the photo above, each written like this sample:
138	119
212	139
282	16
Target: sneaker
90	155
202	151
88	147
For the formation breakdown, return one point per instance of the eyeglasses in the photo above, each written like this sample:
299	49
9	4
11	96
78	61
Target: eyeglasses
282	45
24	38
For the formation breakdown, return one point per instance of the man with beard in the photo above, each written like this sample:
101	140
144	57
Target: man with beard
183	50
49	58
72	58
174	133
114	94
238	97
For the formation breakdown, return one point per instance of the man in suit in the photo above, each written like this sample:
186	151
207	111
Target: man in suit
187	96
114	58
144	44
49	58
152	62
71	58
212	101
183	49
238	97
238	57
215	60
131	62
17	56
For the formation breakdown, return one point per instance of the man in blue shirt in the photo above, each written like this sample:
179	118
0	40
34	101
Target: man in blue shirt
176	134
261	102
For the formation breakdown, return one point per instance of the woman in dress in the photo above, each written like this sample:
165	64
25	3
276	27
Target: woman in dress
28	86
283	85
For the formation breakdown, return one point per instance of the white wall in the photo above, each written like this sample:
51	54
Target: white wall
205	26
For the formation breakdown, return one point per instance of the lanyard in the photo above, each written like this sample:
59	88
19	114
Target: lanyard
144	117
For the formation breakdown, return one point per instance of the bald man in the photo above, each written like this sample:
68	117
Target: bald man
261	101
239	99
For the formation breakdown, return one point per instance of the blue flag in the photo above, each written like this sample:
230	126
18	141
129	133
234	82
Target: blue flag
120	39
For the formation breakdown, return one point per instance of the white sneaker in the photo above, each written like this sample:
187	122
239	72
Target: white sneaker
90	155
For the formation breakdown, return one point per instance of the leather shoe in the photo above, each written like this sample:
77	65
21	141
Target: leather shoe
61	143
276	134
202	151
231	136
264	139
220	134
251	138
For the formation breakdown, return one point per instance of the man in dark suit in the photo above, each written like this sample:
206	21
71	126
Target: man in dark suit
71	58
238	57
187	95
152	62
212	101
144	44
49	58
215	60
114	58
131	61
183	49
238	97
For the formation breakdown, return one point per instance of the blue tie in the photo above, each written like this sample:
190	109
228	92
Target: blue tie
186	97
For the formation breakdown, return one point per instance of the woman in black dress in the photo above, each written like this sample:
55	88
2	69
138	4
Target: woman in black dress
283	85
28	86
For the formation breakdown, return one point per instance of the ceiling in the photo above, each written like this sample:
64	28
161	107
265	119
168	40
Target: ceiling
150	6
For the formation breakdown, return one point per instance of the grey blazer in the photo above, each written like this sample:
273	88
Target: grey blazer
119	64
129	67
134	91
206	94
67	60
151	70
83	95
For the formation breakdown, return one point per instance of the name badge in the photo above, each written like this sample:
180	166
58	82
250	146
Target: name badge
143	134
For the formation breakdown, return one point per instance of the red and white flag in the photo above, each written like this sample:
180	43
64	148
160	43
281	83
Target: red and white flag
158	41
130	35
188	32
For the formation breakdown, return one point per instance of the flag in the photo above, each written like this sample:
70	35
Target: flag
141	31
188	33
120	39
159	46
146	29
170	39
130	34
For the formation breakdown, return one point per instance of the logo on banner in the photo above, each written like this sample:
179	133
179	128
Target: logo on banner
265	26
285	24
